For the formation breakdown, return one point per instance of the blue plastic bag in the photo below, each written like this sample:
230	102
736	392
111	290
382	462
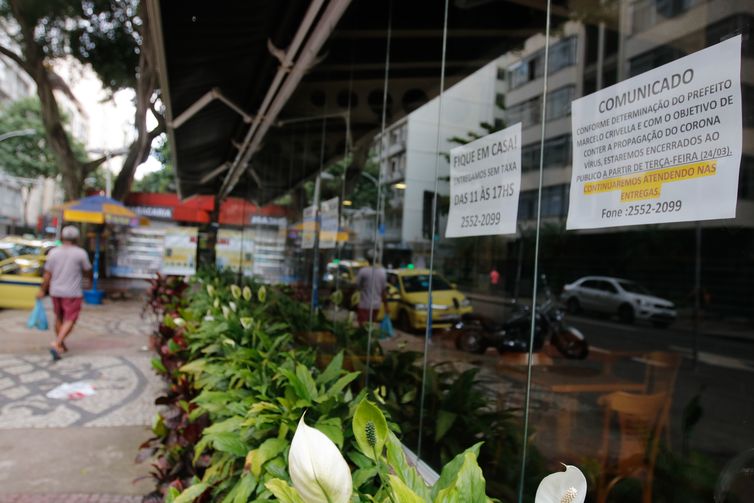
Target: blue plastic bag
386	328
38	317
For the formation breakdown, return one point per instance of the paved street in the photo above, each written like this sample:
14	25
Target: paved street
722	379
78	449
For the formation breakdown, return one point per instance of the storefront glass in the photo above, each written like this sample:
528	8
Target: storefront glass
613	199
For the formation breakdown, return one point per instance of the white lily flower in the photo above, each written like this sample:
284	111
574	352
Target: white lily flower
226	311
247	293
562	487
233	306
179	322
216	303
318	470
235	290
210	290
246	322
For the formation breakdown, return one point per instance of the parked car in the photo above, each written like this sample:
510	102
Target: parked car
408	299
18	245
627	299
20	278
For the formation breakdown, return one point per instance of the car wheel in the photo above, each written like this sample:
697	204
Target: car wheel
626	313
573	305
404	322
470	341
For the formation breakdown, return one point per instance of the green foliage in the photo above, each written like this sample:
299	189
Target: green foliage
29	155
162	180
101	33
241	389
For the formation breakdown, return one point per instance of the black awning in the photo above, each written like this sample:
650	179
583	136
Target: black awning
223	45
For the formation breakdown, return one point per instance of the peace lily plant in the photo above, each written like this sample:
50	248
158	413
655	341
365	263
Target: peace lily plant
320	474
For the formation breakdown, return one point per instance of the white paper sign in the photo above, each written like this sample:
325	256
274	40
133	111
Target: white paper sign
328	216
179	252
485	180
664	146
309	227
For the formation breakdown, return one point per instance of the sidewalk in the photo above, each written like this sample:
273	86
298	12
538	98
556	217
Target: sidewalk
72	451
497	307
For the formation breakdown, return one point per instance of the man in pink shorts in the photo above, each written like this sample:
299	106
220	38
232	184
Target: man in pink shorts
64	270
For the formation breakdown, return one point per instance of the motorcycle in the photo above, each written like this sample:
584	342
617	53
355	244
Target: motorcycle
475	333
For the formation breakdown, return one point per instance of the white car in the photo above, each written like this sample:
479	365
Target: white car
627	299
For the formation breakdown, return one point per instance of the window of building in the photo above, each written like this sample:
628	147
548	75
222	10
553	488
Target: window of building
562	54
559	102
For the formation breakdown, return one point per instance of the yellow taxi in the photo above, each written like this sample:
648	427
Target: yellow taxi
19	245
408	299
20	278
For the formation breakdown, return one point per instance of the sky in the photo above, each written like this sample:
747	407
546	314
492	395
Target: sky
110	119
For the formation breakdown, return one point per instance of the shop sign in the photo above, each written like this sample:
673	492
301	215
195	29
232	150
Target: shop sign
234	250
265	220
664	146
179	252
485	181
153	212
309	227
328	234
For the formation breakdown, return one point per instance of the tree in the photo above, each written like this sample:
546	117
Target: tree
162	180
29	156
111	36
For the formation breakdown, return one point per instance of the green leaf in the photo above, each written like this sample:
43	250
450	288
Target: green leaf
191	493
402	492
370	429
333	369
171	495
158	366
444	422
336	388
305	376
450	471
194	367
468	485
333	428
244	488
362	475
229	442
268	450
283	492
396	458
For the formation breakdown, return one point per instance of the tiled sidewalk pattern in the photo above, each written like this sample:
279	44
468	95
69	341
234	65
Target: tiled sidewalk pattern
125	390
108	351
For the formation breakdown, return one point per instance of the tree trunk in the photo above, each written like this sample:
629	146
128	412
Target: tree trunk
145	86
70	167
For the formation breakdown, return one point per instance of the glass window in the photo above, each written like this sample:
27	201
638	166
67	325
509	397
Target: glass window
420	283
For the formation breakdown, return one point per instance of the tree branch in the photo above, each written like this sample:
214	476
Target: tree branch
157	115
16	59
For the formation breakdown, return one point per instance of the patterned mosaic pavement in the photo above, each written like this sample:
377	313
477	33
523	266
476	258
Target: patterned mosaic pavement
125	388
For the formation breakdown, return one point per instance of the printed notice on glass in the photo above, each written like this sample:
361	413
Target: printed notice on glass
664	146
485	180
328	232
309	227
179	251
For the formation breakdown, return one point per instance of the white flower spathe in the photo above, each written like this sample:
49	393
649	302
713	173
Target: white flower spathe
562	487
317	468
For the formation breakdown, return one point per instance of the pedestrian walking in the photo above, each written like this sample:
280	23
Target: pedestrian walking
372	284
64	270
